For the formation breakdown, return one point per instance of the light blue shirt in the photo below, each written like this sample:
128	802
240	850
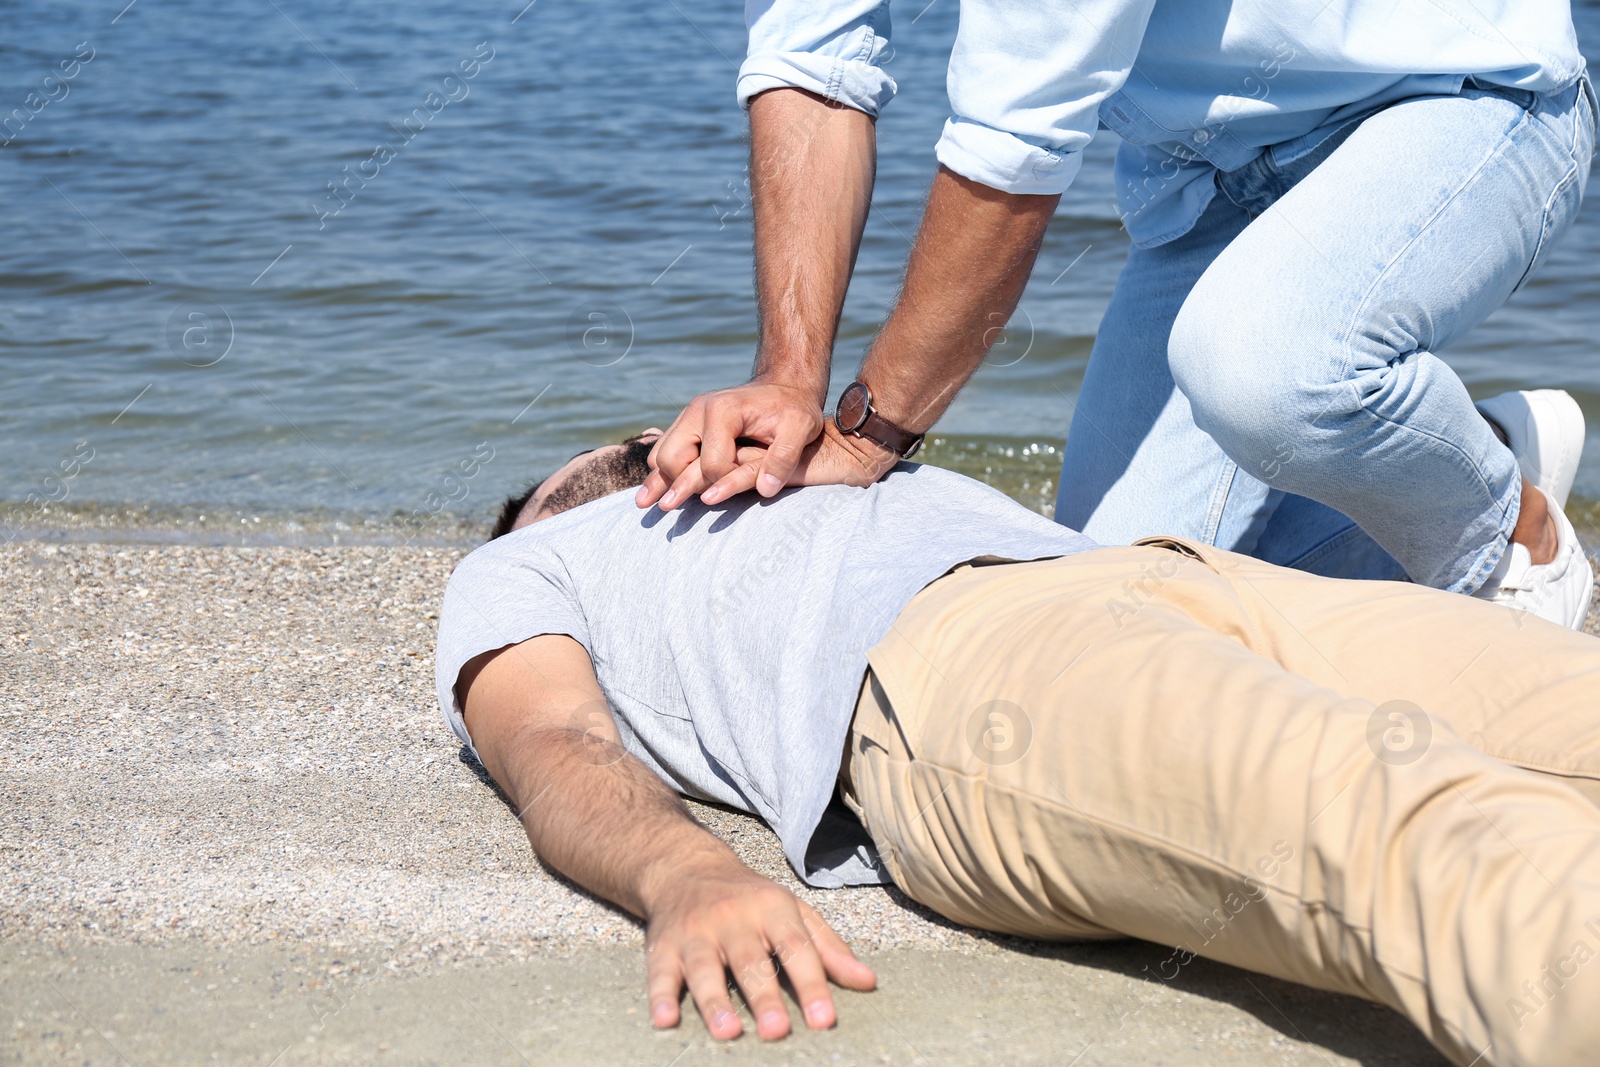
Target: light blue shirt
1191	86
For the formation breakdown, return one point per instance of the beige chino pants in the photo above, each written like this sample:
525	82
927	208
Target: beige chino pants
1368	787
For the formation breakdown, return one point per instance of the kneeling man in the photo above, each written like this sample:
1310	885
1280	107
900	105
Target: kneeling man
1368	787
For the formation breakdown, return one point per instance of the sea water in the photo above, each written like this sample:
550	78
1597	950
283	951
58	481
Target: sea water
276	270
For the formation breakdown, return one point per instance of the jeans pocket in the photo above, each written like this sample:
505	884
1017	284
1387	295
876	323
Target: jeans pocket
1253	187
1263	181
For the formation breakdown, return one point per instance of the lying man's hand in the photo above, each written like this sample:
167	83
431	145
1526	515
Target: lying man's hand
700	448
716	915
597	814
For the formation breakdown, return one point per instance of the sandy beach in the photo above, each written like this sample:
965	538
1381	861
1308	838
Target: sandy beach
297	294
236	830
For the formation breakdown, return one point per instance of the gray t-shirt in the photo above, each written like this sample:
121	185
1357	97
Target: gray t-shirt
730	642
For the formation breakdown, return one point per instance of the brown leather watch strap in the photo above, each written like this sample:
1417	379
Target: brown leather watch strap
855	414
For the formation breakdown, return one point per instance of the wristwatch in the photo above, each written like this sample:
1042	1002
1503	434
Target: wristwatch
855	415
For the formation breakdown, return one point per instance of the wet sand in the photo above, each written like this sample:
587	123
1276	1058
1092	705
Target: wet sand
235	825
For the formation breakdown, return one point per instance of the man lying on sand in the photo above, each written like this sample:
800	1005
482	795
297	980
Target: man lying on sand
1369	787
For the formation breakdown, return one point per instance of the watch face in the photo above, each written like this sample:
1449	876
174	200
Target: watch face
853	409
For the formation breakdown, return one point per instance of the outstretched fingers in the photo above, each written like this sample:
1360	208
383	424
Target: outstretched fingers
796	953
757	978
706	973
838	961
718	918
664	979
757	939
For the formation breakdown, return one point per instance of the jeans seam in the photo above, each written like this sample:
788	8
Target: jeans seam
1586	90
1486	560
1221	490
1357	316
1572	175
1577	124
1544	219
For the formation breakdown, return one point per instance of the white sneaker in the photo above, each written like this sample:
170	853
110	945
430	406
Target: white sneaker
1558	591
1545	430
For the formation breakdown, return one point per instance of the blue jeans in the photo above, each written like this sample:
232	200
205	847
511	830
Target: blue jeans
1268	382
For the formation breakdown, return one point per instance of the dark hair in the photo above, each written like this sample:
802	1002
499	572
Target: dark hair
602	476
512	508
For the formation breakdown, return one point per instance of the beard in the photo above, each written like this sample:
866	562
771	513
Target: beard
606	473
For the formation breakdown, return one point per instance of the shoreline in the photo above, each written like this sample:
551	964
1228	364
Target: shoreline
202	526
214	526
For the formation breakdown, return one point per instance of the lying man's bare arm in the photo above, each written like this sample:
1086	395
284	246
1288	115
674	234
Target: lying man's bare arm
599	816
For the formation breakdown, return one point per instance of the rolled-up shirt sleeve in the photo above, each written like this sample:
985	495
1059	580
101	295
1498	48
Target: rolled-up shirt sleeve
830	47
1026	83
